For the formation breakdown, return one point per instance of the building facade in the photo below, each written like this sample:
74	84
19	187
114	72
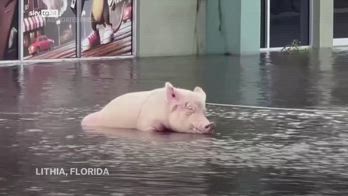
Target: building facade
248	26
169	28
238	27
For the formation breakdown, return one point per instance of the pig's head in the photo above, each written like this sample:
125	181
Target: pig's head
187	110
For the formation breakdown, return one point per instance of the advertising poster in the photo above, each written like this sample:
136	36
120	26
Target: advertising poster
49	29
9	29
106	28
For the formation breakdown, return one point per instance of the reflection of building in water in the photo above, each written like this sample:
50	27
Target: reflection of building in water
9	88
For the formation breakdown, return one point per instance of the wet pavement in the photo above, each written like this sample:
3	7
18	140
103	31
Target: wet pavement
255	151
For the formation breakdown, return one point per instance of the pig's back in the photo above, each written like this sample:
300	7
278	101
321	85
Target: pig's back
123	111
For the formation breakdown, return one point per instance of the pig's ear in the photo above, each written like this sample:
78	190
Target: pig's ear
200	91
172	92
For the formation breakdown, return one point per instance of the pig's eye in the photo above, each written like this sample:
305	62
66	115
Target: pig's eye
188	107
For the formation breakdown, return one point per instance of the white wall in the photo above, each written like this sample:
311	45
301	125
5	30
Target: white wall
323	23
167	27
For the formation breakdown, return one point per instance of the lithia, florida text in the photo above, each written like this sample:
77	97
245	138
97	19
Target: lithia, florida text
48	171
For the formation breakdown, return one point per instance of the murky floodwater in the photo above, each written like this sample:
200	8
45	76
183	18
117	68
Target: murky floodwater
255	151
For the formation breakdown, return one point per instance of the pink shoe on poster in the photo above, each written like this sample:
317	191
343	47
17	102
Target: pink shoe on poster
91	41
107	35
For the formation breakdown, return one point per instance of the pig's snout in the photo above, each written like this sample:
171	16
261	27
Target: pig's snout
208	127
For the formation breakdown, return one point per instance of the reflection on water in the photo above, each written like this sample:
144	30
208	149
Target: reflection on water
253	152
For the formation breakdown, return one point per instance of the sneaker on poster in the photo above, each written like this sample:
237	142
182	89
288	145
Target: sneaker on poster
107	35
92	40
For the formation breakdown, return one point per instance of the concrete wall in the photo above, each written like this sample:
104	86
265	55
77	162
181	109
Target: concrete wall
167	27
323	23
236	29
222	34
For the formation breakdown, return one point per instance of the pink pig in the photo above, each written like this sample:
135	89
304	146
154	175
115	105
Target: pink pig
166	108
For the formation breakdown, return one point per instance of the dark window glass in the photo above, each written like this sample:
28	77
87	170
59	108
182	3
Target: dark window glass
341	19
263	24
289	21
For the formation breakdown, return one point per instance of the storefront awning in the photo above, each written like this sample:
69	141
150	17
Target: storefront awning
32	23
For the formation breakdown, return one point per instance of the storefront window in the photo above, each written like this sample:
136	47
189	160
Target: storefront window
51	28
106	28
288	21
341	19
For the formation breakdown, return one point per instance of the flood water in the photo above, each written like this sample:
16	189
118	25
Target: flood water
255	151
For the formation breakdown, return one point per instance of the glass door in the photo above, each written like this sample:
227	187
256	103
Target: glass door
283	22
340	22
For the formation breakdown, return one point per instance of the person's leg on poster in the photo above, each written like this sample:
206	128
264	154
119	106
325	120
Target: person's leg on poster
108	31
99	16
